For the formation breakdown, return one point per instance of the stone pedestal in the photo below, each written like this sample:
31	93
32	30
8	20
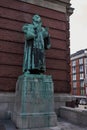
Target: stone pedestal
34	102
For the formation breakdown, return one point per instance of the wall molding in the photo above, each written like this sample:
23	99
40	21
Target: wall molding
49	5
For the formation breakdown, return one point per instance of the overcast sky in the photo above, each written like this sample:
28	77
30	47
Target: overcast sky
78	26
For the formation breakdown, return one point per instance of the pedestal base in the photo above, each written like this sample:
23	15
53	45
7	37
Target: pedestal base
35	120
45	128
34	102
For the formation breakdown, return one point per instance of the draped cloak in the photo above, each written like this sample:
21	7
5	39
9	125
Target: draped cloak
34	49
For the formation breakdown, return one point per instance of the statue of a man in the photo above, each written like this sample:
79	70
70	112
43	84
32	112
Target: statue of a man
36	41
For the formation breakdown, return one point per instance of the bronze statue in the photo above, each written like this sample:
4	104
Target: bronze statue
36	41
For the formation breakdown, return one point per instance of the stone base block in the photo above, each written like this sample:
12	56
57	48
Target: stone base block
46	128
34	102
35	120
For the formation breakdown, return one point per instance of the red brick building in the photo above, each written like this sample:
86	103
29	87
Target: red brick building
79	73
55	15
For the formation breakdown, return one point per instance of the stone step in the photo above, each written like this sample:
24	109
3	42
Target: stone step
7	125
2	127
62	125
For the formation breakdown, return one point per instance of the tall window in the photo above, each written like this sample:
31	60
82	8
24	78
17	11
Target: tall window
81	76
82	84
74	63
82	91
74	85
81	61
74	69
74	77
85	60
81	68
86	71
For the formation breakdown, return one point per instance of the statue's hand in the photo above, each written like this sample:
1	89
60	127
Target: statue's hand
29	35
45	32
25	28
28	31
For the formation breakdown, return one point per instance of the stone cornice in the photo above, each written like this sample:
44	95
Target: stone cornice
49	4
56	1
58	5
65	1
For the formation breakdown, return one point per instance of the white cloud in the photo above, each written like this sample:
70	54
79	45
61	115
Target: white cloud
78	28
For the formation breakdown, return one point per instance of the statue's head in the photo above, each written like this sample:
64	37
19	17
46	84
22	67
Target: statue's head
37	21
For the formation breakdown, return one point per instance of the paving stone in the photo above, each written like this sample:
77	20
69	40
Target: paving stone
7	125
62	125
2	127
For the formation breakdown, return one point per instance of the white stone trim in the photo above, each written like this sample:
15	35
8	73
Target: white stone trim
65	1
6	97
77	56
46	4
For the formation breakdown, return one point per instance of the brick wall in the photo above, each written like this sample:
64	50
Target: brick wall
13	15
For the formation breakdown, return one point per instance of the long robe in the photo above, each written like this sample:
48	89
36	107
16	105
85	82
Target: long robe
34	52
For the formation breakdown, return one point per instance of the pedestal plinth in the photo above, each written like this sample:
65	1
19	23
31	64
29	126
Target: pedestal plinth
34	102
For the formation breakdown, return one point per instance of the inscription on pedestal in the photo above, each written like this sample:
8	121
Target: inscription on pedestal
34	100
36	91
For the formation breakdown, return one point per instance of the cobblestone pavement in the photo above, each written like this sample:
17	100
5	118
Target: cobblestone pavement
64	125
2	127
6	125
